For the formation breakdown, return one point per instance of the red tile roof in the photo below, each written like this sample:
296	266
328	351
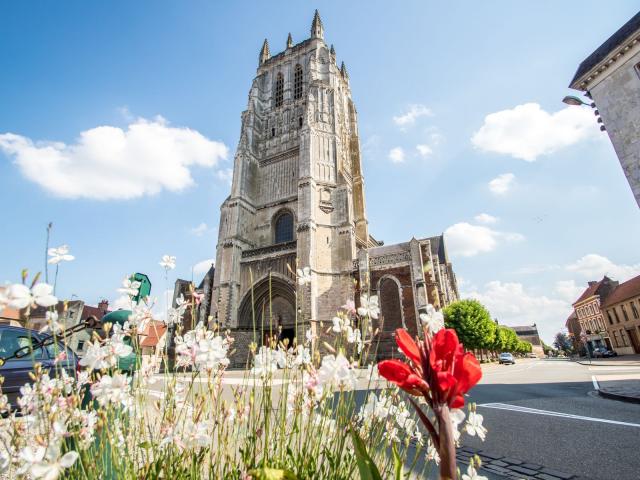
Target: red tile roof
153	333
590	291
624	291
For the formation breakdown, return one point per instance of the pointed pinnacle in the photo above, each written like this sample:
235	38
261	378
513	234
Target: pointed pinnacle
289	41
333	50
317	30
343	70
265	54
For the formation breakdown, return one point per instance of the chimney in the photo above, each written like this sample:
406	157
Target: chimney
103	306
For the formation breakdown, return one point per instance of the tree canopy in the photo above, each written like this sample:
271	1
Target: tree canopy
473	324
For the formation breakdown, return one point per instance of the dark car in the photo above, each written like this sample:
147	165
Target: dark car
506	358
602	352
16	370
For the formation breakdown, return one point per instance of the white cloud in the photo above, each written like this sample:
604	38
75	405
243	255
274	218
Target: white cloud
203	267
414	112
594	267
122	302
199	230
533	269
486	219
112	163
226	175
396	155
527	131
568	290
469	240
502	183
424	150
511	304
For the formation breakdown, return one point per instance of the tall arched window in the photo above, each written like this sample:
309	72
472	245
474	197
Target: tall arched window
279	90
284	228
390	304
297	82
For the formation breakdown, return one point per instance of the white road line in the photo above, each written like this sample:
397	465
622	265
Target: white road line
535	411
613	369
595	382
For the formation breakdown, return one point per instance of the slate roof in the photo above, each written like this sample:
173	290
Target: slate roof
608	46
624	291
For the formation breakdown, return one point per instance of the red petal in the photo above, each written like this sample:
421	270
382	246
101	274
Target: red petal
444	347
457	402
467	371
408	345
395	371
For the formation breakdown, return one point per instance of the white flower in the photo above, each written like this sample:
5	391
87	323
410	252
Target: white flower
202	349
46	463
52	323
302	356
267	361
472	474
309	336
59	254
457	417
304	276
43	295
474	425
355	336
340	324
433	320
112	389
4	299
432	453
130	287
336	371
95	357
168	262
369	306
20	296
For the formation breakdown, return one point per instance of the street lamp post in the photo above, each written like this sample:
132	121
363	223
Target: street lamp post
578	102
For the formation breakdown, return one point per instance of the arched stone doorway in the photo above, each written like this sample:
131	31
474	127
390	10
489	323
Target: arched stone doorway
390	297
268	306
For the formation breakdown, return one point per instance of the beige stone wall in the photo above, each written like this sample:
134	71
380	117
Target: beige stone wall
622	328
616	93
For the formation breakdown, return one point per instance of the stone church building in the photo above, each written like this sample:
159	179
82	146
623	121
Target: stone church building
297	200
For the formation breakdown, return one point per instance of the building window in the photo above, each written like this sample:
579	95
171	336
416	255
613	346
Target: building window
80	345
624	312
273	132
637	69
615	339
279	90
624	339
284	228
297	83
615	315
634	310
609	316
300	122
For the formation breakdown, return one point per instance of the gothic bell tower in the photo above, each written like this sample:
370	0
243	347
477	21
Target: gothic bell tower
297	196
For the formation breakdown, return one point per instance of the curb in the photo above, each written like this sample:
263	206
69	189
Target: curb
608	364
618	396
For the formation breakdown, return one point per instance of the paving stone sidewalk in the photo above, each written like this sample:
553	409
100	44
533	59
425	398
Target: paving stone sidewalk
625	390
511	468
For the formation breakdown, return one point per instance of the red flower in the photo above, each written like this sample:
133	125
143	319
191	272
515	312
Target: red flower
456	372
452	372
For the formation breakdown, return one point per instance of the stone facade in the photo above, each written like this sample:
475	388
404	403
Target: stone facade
611	77
529	333
297	200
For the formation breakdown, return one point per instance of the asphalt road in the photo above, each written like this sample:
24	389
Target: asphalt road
547	412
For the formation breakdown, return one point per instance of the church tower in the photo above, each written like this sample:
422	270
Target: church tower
297	193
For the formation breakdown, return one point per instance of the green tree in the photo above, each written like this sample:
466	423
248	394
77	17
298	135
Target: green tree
472	323
562	342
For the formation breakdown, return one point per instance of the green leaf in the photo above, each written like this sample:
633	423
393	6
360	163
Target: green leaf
368	469
266	473
397	463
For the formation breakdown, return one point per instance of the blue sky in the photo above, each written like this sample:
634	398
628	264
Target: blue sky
424	76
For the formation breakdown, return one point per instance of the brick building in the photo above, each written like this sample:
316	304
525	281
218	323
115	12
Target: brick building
622	314
589	312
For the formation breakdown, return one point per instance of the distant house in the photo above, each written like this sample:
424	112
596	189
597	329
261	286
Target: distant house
622	313
529	333
589	313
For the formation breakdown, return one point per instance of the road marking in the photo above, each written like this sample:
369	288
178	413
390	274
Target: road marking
535	411
595	382
613	369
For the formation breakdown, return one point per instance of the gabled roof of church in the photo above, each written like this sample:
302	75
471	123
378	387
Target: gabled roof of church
614	41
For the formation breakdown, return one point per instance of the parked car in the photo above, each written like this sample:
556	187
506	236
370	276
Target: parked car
602	352
531	355
16	370
506	358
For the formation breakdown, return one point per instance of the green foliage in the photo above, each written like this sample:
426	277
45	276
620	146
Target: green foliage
473	324
562	342
266	473
366	467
